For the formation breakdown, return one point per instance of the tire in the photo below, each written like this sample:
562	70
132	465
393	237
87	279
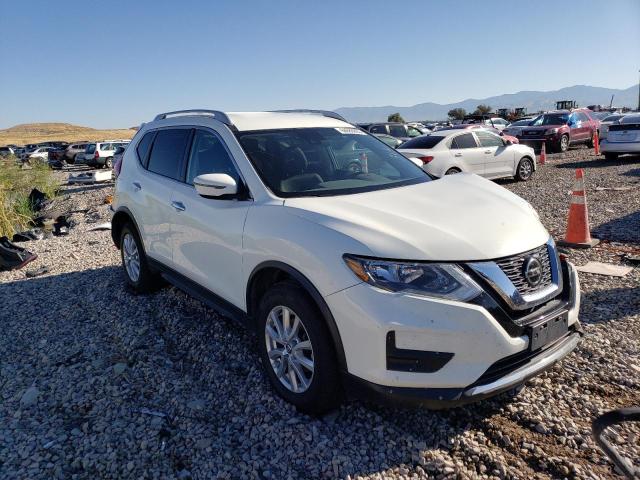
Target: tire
108	163
319	388
592	141
452	171
524	170
610	156
145	280
563	145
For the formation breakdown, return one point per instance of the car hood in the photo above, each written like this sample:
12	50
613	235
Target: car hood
544	127
460	217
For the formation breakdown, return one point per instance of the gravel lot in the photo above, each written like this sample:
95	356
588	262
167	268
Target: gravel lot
98	382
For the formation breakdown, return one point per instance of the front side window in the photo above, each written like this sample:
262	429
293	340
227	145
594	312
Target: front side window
326	161
413	132
167	152
209	155
465	140
487	139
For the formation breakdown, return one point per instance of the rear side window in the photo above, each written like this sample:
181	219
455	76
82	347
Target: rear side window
426	141
465	140
91	148
378	129
209	155
487	139
143	147
167	152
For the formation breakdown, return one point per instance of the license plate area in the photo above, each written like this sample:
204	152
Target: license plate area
548	331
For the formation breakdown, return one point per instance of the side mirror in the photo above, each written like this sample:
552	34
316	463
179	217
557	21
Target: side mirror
214	185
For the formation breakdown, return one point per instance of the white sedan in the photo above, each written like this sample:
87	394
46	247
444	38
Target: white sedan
41	153
475	151
623	137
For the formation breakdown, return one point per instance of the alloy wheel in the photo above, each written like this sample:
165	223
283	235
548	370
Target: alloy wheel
525	169
131	257
289	349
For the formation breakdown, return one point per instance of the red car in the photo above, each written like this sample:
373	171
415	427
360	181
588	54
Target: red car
560	129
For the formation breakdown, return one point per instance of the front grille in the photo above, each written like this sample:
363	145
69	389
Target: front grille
532	133
513	267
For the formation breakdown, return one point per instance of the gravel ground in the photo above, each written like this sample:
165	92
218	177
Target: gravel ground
98	382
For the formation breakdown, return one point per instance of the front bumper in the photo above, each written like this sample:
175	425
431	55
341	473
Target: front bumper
489	352
437	398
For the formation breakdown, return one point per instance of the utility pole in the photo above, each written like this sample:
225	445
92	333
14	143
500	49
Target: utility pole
639	92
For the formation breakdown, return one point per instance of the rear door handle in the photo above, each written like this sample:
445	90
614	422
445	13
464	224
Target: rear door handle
458	155
137	186
488	151
178	206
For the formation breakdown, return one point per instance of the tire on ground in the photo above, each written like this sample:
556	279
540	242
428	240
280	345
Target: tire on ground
325	390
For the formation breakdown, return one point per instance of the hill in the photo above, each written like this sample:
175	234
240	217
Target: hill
45	132
532	100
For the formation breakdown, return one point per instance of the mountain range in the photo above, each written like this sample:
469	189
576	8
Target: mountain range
533	100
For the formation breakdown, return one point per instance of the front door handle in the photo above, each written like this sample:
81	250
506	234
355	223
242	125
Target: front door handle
137	186
458	155
178	206
488	151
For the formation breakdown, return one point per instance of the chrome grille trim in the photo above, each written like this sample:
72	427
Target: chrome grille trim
513	268
502	283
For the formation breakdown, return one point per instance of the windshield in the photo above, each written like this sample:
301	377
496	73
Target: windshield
520	123
612	118
326	161
551	119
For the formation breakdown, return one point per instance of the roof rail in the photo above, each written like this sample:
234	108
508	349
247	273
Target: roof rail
218	115
325	113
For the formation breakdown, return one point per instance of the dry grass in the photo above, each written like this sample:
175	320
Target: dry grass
16	183
44	132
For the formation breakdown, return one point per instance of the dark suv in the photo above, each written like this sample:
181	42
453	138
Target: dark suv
560	129
398	130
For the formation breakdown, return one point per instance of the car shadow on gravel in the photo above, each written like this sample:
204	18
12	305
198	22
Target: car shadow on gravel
599	162
610	305
624	229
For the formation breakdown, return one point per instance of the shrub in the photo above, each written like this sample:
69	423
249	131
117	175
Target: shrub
16	184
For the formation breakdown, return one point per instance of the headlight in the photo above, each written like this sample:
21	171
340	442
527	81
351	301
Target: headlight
551	131
439	280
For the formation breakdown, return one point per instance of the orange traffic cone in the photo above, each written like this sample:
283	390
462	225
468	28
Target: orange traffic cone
596	143
578	234
543	154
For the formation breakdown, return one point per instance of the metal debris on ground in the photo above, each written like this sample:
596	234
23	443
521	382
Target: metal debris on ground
37	272
101	226
605	269
91	177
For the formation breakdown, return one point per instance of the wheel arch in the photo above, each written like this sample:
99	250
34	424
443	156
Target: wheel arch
122	216
267	273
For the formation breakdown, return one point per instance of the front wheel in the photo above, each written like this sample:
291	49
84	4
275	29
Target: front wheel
563	146
108	163
296	349
525	169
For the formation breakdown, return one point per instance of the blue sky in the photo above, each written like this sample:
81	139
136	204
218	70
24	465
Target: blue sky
117	63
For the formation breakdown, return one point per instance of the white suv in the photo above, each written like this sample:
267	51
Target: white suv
358	273
100	154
